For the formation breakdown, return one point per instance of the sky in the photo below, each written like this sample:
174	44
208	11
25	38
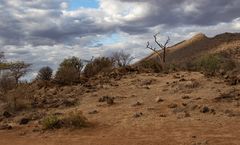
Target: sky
44	32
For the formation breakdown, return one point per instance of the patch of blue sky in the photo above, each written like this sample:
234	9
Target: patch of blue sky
75	4
108	40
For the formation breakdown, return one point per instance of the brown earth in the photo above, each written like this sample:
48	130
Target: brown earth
184	108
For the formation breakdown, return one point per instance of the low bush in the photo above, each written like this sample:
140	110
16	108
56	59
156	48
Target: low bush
69	71
98	65
74	120
152	65
19	99
51	122
7	83
45	74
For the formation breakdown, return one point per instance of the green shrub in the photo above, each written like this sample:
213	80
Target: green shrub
45	74
209	63
98	65
152	65
51	122
69	71
74	119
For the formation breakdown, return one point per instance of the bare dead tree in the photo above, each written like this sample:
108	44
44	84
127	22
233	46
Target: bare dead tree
122	59
162	46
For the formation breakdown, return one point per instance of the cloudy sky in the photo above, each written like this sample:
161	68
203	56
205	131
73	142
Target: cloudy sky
44	32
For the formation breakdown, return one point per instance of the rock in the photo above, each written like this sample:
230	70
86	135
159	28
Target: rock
69	102
185	97
109	100
205	109
137	104
24	121
103	99
173	105
5	127
136	115
192	84
162	115
159	99
93	112
182	80
7	114
184	104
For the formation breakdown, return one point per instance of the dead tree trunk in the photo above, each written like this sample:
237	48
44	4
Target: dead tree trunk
162	56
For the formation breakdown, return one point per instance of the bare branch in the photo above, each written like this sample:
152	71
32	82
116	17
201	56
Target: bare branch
167	41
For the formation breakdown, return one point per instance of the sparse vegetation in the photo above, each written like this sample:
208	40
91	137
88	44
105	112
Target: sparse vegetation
19	99
122	59
69	71
45	74
74	119
152	65
51	122
98	65
6	83
209	63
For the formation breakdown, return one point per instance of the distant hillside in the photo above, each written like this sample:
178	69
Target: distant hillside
199	45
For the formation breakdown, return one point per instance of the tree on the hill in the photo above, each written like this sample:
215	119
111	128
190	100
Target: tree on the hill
18	69
69	70
45	73
122	59
163	46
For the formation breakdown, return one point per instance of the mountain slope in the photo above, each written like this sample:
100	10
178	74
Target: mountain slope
199	45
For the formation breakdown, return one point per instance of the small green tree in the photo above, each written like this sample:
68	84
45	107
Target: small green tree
45	73
69	71
100	64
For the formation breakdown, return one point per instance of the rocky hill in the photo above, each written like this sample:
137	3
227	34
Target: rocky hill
199	45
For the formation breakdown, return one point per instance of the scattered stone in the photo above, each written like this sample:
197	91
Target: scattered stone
110	101
137	115
228	97
185	97
93	112
192	84
182	80
173	105
7	114
147	87
137	104
162	115
205	109
5	127
159	99
198	98
184	104
69	102
104	98
24	121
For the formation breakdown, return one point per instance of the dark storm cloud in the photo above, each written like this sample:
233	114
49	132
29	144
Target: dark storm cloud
190	12
39	22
